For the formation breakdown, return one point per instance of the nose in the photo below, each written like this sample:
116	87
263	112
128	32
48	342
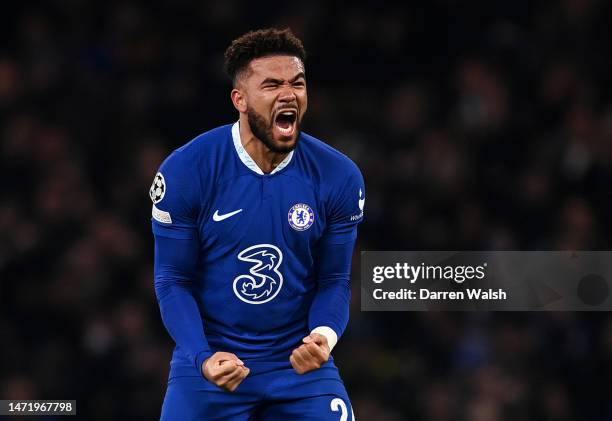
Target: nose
287	94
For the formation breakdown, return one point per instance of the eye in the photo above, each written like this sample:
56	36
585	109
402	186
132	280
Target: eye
299	84
270	86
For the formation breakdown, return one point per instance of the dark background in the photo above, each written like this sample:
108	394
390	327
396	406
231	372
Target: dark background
477	125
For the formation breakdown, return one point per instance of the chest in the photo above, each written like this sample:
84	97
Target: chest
286	212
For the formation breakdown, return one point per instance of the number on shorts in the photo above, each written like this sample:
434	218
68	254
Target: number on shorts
338	404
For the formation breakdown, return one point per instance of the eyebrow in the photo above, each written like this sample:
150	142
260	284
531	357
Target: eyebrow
279	81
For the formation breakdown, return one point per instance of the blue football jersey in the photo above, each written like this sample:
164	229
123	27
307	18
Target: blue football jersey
257	241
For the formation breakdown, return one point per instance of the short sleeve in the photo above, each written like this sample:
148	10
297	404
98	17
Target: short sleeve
346	207
175	196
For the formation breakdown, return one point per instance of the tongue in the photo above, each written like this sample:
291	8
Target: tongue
283	124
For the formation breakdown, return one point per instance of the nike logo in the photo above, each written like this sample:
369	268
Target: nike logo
217	217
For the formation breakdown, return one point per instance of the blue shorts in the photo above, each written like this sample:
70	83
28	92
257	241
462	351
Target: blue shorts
276	395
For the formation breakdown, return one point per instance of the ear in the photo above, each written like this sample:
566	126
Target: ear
239	100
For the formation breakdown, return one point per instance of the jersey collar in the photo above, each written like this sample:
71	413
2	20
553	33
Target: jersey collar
246	158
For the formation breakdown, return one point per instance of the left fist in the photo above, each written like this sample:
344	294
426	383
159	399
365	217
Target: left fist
311	355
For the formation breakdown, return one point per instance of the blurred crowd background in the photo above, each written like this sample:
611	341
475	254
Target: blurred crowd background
477	125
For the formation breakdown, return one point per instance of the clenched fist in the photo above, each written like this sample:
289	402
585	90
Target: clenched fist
225	370
312	354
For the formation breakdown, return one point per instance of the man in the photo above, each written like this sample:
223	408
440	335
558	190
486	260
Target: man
254	226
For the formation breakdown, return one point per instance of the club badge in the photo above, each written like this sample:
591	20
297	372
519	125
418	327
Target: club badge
300	217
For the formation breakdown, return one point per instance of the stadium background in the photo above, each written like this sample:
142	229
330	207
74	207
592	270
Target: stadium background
477	125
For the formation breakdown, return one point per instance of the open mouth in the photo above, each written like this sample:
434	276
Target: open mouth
285	121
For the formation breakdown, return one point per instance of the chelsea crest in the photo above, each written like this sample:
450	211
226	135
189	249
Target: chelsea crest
300	217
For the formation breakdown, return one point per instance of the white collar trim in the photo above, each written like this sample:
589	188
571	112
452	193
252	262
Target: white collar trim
246	158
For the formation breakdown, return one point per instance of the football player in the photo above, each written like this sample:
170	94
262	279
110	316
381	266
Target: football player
254	225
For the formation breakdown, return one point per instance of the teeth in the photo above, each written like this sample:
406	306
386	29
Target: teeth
285	131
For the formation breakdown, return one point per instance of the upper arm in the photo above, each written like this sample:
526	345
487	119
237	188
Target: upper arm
175	196
346	204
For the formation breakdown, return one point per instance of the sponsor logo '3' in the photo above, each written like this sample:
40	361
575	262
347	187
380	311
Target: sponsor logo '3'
264	280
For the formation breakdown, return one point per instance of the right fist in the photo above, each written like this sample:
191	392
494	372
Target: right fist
225	370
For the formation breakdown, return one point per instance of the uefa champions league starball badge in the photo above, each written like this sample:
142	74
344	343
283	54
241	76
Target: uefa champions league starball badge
300	217
158	188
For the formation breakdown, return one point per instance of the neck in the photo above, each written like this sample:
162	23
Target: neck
265	159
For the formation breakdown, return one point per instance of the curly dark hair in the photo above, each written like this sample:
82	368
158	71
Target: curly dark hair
260	43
